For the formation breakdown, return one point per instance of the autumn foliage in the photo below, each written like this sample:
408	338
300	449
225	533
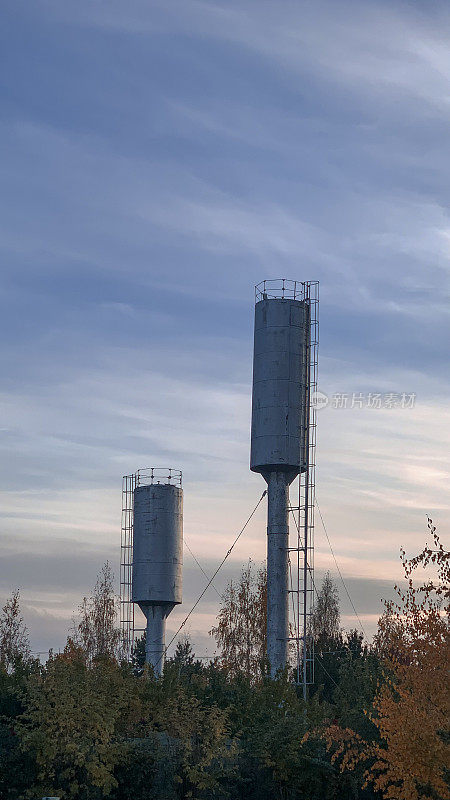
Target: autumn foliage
411	710
240	632
87	725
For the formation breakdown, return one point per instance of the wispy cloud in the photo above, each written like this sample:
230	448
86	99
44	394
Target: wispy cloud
379	46
143	197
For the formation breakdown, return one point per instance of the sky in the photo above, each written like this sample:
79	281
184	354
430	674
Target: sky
158	160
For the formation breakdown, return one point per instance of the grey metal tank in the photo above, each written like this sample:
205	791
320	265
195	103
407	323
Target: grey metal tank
279	385
157	560
279	442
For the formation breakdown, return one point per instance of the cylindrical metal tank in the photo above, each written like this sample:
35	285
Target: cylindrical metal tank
280	371
157	544
157	560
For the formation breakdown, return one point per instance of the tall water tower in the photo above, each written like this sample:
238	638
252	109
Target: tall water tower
153	535
280	444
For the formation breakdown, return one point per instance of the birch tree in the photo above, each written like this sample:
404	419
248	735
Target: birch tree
241	627
14	641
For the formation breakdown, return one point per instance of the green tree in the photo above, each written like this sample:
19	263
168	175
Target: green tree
359	676
178	746
241	627
14	641
138	654
201	735
326	616
69	724
97	631
16	664
183	661
329	646
146	768
17	768
280	761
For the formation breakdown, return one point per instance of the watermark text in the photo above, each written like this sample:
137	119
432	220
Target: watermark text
388	400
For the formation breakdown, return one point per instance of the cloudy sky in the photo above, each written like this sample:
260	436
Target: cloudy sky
159	158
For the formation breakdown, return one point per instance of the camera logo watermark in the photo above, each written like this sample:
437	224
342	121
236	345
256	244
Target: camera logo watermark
319	400
389	400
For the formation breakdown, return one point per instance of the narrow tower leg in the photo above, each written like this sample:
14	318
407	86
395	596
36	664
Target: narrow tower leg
277	571
155	638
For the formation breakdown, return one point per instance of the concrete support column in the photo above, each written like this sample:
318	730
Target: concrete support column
155	637
277	570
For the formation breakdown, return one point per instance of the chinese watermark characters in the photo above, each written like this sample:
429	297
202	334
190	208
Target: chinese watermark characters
387	400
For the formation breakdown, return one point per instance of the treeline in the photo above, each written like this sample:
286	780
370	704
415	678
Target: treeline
87	725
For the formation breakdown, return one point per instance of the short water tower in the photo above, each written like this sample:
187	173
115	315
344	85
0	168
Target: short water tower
157	557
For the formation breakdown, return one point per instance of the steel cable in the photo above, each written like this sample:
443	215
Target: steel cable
214	575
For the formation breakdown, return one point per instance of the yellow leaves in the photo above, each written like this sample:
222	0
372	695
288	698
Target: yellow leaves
412	707
409	714
241	627
347	746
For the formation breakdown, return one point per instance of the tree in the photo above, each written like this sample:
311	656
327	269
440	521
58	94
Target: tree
138	653
69	724
184	656
412	709
16	767
409	758
199	734
241	627
329	645
14	642
358	680
183	662
178	746
326	616
279	760
146	768
96	631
